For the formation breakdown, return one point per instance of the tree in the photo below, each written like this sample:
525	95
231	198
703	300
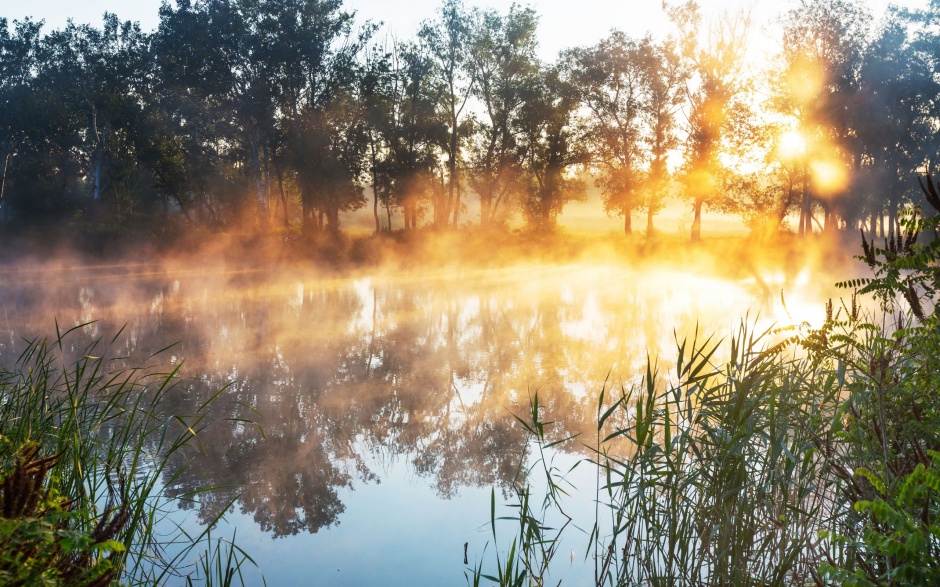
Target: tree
552	143
448	40
109	82
717	63
894	124
375	97
666	78
503	65
408	135
611	79
313	50
82	101
202	63
18	60
823	42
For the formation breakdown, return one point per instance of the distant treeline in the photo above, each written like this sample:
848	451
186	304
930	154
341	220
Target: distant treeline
287	113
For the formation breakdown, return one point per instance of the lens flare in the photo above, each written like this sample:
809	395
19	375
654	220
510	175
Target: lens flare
829	177
805	80
792	145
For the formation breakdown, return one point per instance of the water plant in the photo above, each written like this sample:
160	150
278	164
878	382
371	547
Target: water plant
808	457
86	449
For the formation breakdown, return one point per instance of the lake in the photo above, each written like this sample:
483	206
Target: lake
366	417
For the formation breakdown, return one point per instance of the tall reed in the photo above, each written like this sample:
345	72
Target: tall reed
86	450
809	457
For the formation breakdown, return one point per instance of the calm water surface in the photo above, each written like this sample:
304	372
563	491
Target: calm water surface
383	402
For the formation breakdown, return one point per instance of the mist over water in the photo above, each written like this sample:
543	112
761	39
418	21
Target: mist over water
365	416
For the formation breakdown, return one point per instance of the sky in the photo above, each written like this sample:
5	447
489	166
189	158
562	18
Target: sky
563	23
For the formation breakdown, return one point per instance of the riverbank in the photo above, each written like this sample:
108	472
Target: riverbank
429	249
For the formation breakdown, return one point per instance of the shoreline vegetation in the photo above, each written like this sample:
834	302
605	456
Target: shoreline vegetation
470	247
86	455
814	460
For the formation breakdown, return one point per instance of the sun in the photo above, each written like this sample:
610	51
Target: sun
791	145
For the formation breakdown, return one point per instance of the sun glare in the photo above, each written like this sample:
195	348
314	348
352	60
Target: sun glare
829	177
792	145
805	80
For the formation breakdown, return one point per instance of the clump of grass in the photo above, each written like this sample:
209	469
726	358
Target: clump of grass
812	459
85	450
720	484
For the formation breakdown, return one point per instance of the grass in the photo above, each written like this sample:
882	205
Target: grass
809	457
85	451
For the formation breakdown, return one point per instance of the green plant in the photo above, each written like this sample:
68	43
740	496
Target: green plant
890	432
900	525
712	478
85	449
539	523
811	459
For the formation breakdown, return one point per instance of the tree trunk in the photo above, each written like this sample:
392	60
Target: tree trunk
697	221
456	205
280	187
806	208
545	212
375	207
650	229
259	177
305	213
332	219
627	223
3	182
808	219
373	157
99	165
267	181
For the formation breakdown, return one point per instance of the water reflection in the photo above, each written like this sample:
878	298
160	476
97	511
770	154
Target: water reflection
328	378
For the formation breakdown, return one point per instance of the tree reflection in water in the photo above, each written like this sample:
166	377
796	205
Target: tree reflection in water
340	373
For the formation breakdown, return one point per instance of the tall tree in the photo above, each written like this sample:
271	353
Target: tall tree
414	133
95	80
503	65
612	78
893	122
715	53
823	44
552	142
666	78
376	97
18	61
202	62
313	52
448	40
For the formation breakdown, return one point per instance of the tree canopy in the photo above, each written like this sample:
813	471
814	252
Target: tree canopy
287	114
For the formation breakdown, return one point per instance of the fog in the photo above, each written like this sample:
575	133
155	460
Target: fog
404	363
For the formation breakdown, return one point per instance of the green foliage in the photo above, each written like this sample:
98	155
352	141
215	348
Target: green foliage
900	527
710	478
85	448
236	109
891	421
42	536
810	458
